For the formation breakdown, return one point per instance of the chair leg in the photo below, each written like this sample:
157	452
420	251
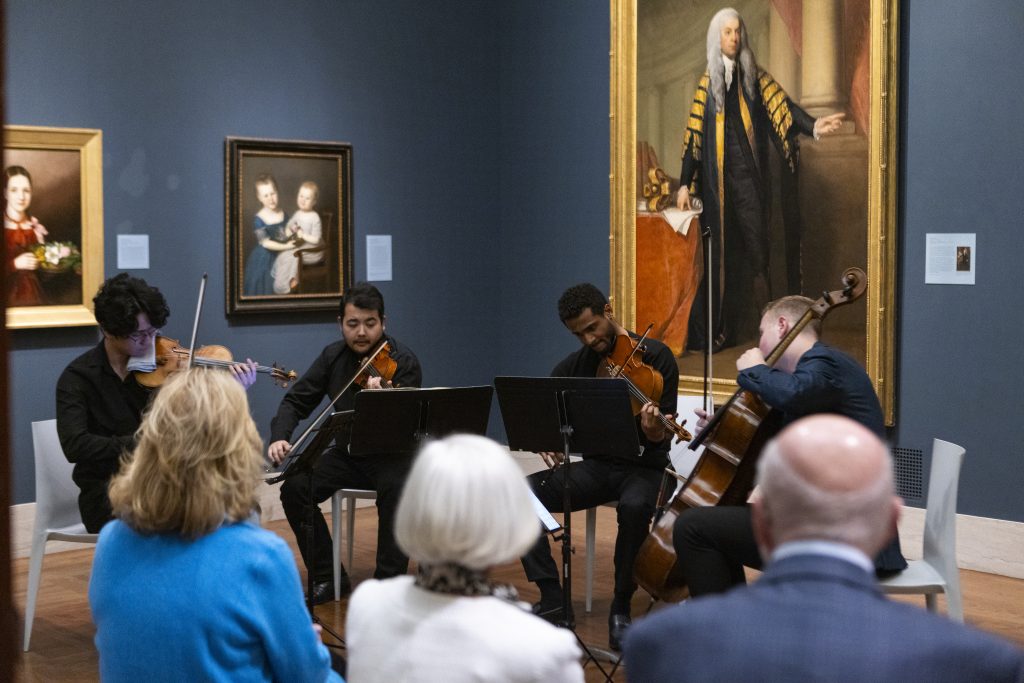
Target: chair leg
931	601
591	525
35	570
350	502
954	603
337	503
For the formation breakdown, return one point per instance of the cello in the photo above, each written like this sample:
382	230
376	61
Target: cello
724	473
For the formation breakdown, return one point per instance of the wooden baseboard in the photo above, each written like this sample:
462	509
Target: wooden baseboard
994	546
23	519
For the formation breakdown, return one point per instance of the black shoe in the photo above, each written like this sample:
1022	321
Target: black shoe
617	625
323	591
555	614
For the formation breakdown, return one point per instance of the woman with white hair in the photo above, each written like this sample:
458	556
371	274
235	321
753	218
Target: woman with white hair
184	588
465	509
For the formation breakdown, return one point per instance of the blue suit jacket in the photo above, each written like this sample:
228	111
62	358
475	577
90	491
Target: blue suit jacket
812	618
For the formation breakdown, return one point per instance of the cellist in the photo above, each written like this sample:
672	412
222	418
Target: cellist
629	478
714	544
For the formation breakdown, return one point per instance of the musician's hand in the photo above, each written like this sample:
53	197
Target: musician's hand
683	199
245	372
750	358
552	458
702	419
653	428
378	383
277	450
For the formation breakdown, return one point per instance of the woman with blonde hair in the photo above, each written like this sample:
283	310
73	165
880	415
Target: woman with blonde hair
465	509
183	587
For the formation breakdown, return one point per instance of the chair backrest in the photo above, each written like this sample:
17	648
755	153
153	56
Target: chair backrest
56	492
940	515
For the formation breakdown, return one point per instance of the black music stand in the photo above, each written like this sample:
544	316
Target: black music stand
571	415
400	420
331	431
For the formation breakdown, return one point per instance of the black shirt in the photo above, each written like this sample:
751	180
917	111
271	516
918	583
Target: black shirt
97	414
584	362
335	366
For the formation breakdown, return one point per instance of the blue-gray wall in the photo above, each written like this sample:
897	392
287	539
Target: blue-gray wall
480	132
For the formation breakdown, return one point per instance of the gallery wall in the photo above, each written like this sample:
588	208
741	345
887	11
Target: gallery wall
412	86
480	133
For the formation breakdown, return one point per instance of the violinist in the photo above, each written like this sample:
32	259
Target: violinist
99	401
713	544
631	479
362	329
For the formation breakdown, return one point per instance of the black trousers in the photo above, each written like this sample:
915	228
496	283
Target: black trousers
384	474
594	482
93	503
714	544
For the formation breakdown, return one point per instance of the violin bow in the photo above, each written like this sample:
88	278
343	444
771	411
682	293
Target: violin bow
195	323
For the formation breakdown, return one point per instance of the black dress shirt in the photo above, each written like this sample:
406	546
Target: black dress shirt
584	362
97	415
335	366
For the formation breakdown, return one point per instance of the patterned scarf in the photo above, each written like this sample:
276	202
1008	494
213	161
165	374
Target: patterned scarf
453	579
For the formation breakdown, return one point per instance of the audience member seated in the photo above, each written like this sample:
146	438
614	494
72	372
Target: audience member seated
465	509
824	507
183	587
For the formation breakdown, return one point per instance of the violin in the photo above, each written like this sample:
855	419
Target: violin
171	356
643	381
380	364
724	474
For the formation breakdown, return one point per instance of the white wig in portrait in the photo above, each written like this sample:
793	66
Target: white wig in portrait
465	502
716	67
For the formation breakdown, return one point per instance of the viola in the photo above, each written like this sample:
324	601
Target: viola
380	364
171	356
643	381
724	474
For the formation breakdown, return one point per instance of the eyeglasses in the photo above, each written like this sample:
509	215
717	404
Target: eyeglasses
143	335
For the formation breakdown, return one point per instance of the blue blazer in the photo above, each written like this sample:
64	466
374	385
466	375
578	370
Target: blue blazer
812	618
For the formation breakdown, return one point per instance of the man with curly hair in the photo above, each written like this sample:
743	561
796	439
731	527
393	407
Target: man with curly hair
99	402
630	478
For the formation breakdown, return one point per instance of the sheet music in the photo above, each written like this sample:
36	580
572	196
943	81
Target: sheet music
551	525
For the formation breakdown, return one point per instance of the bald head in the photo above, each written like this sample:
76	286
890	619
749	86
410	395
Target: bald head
828	478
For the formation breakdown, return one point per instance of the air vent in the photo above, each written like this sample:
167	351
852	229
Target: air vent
908	468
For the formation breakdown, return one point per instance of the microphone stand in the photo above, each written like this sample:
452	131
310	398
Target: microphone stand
709	404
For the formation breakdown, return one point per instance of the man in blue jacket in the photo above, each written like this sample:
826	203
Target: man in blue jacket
715	543
824	506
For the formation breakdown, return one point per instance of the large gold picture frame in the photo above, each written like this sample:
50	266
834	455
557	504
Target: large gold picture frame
66	166
867	240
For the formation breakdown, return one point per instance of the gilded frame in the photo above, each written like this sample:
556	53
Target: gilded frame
292	164
85	193
881	224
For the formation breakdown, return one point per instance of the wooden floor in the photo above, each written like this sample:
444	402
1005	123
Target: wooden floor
62	636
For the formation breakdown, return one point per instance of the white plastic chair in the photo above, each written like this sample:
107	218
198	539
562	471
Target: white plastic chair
57	515
344	499
937	572
590	535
